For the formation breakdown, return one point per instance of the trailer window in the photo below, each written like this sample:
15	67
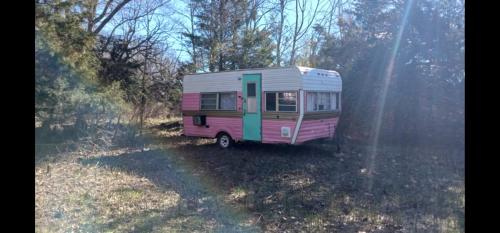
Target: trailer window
322	101
209	101
281	101
287	101
251	98
271	102
227	101
335	101
251	89
218	101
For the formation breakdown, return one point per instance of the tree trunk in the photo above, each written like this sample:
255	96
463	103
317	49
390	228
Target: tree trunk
116	127
280	33
143	104
191	11
143	95
295	33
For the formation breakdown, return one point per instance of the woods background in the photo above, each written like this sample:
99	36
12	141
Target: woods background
101	65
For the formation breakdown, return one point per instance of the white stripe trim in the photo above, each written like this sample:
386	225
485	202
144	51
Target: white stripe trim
301	115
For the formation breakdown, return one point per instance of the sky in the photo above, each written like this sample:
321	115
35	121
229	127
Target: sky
173	14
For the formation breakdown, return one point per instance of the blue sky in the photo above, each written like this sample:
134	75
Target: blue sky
173	12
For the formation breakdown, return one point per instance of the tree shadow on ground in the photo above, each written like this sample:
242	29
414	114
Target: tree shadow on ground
198	198
309	187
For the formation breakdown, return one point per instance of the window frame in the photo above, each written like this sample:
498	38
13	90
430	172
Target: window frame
254	96
277	105
337	100
217	101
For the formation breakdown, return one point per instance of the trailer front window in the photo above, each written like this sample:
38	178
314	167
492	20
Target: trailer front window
322	101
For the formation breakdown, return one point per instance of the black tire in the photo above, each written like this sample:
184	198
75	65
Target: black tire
224	140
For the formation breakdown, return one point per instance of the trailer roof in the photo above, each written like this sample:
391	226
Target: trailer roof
302	69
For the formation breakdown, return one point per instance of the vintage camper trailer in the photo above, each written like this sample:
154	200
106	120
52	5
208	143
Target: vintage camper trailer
272	105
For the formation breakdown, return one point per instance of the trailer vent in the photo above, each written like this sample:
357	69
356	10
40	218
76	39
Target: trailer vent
199	120
285	132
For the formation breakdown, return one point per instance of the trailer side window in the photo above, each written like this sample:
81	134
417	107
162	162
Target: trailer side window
218	101
281	101
287	101
271	102
227	101
209	101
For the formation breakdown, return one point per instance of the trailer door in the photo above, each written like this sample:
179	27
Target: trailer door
252	115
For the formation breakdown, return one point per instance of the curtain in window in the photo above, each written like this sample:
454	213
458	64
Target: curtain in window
227	101
311	101
323	101
333	101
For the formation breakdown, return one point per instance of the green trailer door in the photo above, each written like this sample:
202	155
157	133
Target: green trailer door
252	116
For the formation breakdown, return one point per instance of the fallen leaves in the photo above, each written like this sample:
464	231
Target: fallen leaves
277	189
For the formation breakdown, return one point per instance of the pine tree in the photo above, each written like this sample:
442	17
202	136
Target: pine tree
66	83
224	37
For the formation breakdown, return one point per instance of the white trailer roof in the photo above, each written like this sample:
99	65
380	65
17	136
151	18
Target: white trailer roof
273	79
320	80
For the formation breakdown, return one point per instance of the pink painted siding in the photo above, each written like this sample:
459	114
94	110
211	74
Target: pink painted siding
315	129
191	101
231	125
271	131
239	101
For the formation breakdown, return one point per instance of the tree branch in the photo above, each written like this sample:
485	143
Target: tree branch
110	16
98	18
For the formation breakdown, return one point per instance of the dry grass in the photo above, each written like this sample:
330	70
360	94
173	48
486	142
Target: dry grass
189	185
70	196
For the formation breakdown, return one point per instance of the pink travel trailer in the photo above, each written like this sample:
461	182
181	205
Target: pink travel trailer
289	105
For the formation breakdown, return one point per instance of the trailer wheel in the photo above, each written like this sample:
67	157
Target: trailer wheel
224	140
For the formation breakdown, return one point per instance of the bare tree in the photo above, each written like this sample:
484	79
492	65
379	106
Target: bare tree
258	10
184	18
333	12
301	26
138	43
192	25
279	34
96	22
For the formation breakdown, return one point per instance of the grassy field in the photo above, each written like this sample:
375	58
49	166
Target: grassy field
180	184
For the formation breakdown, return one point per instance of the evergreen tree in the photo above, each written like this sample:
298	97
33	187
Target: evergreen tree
224	37
66	84
424	102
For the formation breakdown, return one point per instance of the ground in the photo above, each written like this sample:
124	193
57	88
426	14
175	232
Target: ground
180	184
